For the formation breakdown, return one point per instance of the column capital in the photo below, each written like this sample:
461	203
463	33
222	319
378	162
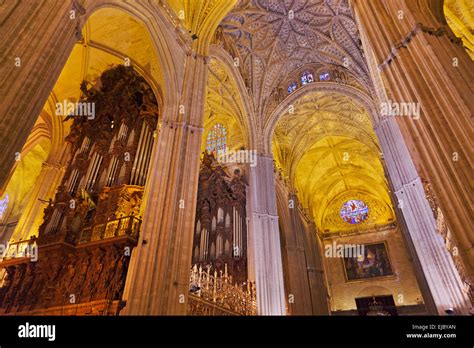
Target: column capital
185	125
265	216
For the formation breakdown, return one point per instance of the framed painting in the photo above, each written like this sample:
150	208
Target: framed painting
373	263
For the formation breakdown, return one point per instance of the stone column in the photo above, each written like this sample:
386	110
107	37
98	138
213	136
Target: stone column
441	278
264	238
402	60
158	277
36	42
293	252
315	269
303	269
44	189
420	61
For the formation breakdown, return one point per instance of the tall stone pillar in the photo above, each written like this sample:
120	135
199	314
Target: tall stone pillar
158	277
264	238
315	269
411	63
420	61
303	270
36	42
293	252
441	279
44	189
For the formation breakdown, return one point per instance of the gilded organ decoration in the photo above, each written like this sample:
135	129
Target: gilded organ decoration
213	293
93	222
220	237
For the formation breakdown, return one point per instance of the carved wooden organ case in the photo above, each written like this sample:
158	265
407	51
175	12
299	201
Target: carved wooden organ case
93	223
220	236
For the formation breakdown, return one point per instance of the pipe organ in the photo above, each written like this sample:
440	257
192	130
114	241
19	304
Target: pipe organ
93	222
220	237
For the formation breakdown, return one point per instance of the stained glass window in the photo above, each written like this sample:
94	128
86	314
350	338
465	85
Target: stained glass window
306	78
217	139
292	87
354	211
3	206
324	77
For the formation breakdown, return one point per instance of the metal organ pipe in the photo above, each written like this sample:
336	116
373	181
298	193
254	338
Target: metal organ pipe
73	179
196	253
198	227
85	145
93	171
90	169
96	172
112	143
240	236
204	244
220	215
220	212
142	157
227	220
112	171
234	231
131	138
149	149
219	245
102	179
136	160
237	234
122	134
56	216
104	160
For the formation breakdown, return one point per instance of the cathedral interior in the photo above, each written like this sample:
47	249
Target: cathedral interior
236	157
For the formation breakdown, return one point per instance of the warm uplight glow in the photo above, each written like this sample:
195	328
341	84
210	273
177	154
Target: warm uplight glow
458	14
329	149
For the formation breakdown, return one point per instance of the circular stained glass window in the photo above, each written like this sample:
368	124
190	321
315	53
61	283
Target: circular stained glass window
354	211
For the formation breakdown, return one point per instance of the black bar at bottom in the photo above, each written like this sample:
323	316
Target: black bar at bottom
196	331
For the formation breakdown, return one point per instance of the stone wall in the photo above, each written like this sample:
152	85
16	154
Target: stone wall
402	285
